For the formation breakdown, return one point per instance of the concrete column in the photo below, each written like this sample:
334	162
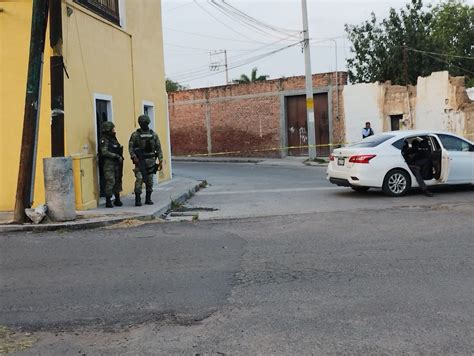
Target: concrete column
208	128
59	188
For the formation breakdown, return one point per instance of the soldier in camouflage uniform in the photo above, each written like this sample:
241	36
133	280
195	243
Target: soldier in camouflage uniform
111	154
145	148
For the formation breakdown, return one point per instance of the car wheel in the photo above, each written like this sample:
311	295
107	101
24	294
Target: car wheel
360	189
397	183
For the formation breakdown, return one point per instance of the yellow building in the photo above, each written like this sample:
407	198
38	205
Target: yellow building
113	53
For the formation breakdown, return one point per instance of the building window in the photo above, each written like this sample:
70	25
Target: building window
108	9
395	122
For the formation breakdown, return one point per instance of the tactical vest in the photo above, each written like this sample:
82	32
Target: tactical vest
114	147
147	144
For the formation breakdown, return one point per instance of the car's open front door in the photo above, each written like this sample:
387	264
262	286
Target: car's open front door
440	160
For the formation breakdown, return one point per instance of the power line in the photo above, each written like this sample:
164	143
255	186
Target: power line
218	20
439	54
450	64
248	21
198	70
214	37
250	60
187	47
179	6
247	17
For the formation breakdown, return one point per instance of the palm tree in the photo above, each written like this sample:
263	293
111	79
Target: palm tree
244	79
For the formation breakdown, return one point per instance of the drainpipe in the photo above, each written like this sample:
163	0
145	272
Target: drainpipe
57	78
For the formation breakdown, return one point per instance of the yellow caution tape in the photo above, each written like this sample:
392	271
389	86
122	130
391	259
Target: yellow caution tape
272	149
260	150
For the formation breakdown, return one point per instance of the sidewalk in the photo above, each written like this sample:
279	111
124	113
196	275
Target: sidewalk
178	189
287	161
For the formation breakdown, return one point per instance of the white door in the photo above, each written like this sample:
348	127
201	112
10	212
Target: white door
149	110
461	159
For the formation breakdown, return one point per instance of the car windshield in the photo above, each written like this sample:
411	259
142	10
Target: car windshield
372	141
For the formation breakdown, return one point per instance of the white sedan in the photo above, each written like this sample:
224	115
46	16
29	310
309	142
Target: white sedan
377	162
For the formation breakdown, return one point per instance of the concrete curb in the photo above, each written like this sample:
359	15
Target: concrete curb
78	225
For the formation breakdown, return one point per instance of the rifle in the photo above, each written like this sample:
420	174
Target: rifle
141	162
120	153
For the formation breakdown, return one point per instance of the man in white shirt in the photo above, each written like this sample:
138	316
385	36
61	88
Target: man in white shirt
367	130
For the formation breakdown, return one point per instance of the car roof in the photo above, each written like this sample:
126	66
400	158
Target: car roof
405	133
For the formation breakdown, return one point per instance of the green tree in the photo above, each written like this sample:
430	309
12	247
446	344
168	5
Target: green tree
453	35
244	79
173	86
434	37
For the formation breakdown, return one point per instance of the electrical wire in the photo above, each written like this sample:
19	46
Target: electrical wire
214	37
450	64
205	69
439	54
221	22
248	21
239	21
242	63
179	6
257	22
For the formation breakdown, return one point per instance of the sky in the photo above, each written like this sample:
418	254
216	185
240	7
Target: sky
196	32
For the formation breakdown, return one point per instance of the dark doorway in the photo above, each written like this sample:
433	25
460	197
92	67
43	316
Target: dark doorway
102	115
395	122
321	121
297	127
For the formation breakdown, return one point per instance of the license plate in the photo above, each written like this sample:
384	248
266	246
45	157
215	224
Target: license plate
340	161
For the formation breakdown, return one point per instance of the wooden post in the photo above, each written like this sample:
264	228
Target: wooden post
29	141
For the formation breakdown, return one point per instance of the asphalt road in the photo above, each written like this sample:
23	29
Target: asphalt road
249	190
391	280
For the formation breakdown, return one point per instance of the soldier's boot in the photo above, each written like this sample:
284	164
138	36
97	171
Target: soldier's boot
148	199
138	200
117	201
108	201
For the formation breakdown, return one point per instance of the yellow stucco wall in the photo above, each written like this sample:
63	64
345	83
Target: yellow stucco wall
124	64
15	27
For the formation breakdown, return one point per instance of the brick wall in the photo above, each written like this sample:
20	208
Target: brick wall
241	119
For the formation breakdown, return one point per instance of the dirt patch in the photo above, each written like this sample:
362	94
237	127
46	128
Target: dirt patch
129	223
11	341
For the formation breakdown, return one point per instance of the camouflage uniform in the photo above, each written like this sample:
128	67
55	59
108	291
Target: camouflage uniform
111	156
144	148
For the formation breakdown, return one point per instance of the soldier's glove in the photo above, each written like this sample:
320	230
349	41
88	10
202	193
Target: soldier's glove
160	165
135	160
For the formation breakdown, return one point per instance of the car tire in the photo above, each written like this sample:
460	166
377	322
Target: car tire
397	183
360	189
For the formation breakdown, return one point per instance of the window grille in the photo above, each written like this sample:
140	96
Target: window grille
108	9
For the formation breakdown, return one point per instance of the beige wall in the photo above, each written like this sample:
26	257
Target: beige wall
438	102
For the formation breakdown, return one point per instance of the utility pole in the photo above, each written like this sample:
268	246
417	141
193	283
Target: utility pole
29	141
309	85
214	66
405	64
57	78
226	68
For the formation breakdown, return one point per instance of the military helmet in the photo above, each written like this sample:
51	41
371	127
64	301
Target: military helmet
143	120
107	126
